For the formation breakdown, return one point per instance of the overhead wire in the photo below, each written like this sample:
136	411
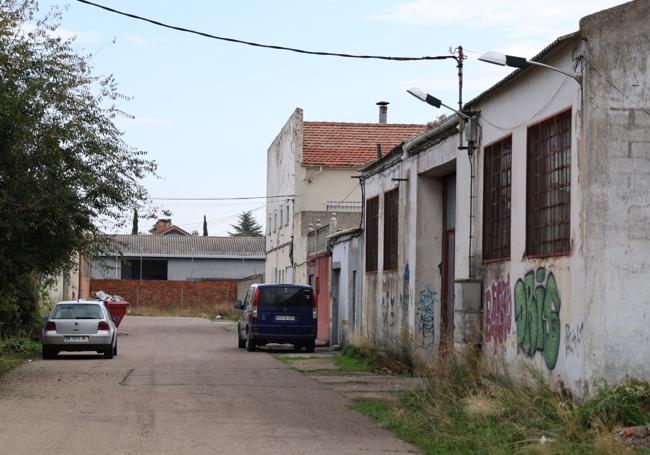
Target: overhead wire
261	45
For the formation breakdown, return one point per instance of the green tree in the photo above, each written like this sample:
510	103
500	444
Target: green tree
205	226
64	169
246	226
134	228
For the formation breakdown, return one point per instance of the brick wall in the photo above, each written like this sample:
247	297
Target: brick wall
207	295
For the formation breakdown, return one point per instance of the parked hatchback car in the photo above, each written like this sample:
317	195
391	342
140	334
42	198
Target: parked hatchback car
277	313
82	325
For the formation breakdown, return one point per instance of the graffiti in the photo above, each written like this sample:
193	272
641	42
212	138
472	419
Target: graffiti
537	315
425	309
498	312
572	339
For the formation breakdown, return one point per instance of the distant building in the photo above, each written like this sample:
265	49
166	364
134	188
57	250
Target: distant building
156	267
310	170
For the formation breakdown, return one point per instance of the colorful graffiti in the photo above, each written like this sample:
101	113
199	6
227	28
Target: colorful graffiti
425	309
497	313
572	339
537	315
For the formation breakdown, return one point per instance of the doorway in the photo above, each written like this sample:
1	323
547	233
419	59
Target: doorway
448	259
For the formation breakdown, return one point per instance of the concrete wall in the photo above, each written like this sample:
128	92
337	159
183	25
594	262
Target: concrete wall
346	305
283	158
616	179
185	268
197	269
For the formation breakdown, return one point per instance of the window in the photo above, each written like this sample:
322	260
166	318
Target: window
391	220
281	215
548	193
269	226
152	269
496	199
372	228
275	220
286	222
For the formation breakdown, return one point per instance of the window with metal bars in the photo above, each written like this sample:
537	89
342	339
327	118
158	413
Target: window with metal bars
548	193
496	199
372	233
391	220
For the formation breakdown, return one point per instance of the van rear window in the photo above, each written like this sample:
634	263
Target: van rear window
285	297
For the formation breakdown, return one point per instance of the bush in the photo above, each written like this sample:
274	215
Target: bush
19	306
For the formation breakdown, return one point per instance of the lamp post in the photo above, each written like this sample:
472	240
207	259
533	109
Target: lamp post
497	58
433	101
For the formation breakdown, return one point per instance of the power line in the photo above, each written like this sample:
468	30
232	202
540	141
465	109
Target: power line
266	46
219	198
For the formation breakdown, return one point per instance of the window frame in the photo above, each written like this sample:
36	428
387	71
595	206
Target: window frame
497	197
372	234
391	229
556	148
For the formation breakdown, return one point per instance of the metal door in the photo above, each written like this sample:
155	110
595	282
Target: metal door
448	256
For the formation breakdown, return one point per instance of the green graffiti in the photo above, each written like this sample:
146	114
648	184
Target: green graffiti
537	315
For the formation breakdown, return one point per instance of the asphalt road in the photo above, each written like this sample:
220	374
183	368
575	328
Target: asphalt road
177	386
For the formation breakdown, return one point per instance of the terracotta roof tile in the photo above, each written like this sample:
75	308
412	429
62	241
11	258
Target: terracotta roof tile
351	144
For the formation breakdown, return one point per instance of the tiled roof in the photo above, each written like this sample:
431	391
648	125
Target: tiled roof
189	246
351	144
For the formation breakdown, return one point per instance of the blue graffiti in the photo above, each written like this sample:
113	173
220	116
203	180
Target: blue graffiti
425	309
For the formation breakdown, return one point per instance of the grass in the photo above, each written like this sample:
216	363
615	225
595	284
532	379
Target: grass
343	361
226	312
13	351
463	409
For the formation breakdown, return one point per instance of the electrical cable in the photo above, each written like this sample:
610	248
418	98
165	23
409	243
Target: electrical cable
220	198
266	46
611	84
503	128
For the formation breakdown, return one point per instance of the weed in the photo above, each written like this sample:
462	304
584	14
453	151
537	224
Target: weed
14	350
464	409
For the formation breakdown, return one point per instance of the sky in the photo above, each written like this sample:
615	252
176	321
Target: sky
206	111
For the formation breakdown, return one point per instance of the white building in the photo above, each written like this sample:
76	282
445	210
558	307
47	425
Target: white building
537	248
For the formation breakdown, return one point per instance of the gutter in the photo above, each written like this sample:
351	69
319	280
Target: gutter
411	144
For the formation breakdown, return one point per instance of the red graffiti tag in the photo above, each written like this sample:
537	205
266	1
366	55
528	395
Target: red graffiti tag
497	313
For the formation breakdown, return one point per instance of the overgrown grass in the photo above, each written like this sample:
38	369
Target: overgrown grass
217	312
385	358
465	410
13	351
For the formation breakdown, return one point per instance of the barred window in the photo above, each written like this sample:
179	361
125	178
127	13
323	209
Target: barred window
391	220
372	228
548	193
496	199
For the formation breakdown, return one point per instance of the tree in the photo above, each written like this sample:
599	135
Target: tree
246	226
134	229
65	172
205	227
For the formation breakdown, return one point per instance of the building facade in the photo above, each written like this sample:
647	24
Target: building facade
535	247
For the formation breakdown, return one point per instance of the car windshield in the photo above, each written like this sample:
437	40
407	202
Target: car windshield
285	297
77	311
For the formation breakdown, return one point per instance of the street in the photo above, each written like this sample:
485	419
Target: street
179	385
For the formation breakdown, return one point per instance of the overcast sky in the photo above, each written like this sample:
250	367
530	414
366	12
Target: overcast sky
207	110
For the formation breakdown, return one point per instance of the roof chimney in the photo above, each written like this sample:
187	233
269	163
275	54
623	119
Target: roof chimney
383	111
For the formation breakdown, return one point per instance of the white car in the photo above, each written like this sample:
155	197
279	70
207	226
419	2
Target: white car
80	325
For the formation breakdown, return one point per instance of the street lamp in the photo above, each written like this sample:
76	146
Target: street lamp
496	58
433	101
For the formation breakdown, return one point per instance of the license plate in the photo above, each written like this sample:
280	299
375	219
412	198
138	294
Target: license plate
75	339
285	318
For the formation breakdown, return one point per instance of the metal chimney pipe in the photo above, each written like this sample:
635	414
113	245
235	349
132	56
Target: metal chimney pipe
383	111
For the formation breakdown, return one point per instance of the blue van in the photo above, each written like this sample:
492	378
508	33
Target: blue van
277	313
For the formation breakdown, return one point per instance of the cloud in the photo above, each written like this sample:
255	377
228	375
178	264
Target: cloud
142	41
522	19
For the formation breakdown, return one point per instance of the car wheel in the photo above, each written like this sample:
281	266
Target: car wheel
297	346
241	343
115	349
47	353
310	346
250	343
108	351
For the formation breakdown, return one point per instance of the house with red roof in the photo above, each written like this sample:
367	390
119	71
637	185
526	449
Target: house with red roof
312	193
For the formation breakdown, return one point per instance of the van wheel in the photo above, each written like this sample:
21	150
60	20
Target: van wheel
250	343
241	343
310	346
